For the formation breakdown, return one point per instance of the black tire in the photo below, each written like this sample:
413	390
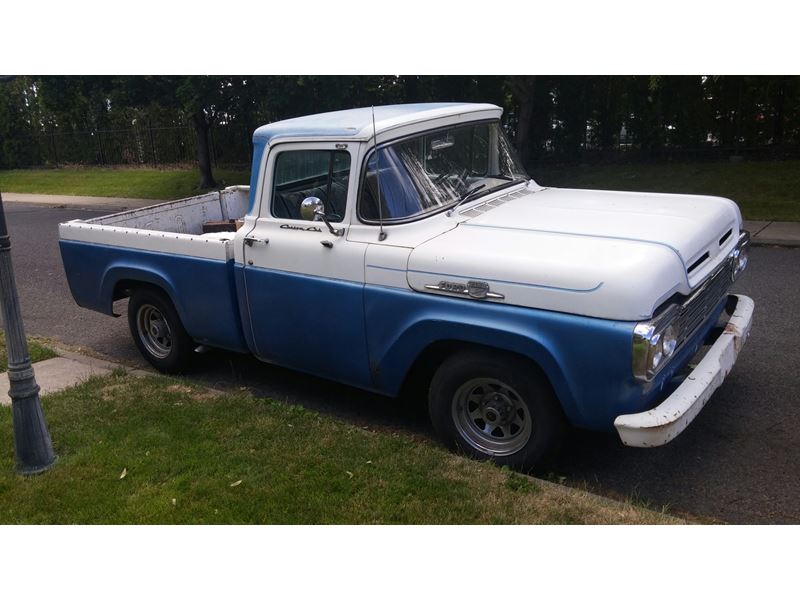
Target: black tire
172	357
504	389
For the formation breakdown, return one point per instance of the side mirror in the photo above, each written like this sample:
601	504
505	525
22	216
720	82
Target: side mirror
312	209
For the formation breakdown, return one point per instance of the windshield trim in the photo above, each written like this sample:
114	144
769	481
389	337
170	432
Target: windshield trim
422	215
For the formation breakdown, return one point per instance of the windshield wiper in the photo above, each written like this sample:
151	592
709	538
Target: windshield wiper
499	176
466	196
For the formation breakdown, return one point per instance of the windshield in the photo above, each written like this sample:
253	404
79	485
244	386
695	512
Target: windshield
435	170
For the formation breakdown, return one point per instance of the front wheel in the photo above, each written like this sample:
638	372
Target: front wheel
158	332
498	407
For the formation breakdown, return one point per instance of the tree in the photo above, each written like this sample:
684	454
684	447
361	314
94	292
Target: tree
548	116
198	99
18	122
523	89
202	98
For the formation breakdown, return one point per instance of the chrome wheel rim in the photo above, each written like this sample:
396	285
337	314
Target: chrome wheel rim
154	331
491	417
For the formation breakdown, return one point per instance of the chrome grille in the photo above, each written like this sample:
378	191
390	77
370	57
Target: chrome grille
696	309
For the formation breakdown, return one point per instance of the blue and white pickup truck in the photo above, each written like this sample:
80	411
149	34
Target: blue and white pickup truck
406	244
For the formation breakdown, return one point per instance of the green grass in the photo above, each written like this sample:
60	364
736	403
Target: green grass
768	190
36	352
160	184
190	455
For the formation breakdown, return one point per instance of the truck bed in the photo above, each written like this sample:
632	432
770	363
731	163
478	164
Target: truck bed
173	227
162	246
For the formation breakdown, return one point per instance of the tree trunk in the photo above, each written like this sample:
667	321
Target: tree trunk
203	150
607	124
780	103
523	89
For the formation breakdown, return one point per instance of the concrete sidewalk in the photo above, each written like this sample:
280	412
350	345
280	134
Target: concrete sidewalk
774	233
93	202
63	371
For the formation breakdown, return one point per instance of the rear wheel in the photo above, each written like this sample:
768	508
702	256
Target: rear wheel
158	332
496	406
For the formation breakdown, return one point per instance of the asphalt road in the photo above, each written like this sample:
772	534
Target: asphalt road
738	462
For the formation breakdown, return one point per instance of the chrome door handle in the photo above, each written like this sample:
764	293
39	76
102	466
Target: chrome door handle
251	240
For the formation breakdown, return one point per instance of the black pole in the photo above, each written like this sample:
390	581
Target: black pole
33	448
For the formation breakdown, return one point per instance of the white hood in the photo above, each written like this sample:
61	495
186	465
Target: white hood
615	255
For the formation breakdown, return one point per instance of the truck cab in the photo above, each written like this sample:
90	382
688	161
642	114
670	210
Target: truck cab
405	243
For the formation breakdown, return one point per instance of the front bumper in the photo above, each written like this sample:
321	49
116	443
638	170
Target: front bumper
661	424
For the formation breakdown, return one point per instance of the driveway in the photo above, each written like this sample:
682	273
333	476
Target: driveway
738	462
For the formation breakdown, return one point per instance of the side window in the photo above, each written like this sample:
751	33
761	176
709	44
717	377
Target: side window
300	174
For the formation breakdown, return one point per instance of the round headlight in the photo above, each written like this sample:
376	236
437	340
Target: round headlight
741	261
657	351
670	340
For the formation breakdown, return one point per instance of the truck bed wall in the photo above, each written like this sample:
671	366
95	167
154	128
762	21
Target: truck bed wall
201	289
183	216
163	245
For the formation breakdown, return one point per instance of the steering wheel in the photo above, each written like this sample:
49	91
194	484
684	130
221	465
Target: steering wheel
462	176
439	178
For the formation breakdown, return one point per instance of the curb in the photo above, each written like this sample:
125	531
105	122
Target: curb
66	370
80	202
781	243
774	233
98	362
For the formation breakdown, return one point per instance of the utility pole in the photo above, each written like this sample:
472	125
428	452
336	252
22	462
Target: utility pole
33	448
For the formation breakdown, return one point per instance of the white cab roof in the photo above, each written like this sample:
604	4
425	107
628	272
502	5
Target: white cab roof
356	123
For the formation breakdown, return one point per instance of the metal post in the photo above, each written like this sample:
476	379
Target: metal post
33	448
152	141
99	149
102	152
53	146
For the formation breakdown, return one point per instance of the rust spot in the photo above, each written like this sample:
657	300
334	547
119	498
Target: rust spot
731	328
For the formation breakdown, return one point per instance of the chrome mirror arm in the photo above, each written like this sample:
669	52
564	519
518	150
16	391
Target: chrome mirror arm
313	209
319	215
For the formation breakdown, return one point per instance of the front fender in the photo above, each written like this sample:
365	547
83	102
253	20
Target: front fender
587	360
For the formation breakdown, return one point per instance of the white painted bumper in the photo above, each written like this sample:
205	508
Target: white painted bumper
663	423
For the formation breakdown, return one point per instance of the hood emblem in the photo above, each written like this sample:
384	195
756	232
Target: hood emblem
477	290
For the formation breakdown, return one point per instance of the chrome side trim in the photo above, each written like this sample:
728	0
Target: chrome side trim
476	290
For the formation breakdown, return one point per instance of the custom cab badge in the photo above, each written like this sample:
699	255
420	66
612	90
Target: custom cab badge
296	228
478	290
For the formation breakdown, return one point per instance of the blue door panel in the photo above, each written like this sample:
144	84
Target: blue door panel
308	323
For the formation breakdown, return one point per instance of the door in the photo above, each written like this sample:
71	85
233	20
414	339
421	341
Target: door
305	285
